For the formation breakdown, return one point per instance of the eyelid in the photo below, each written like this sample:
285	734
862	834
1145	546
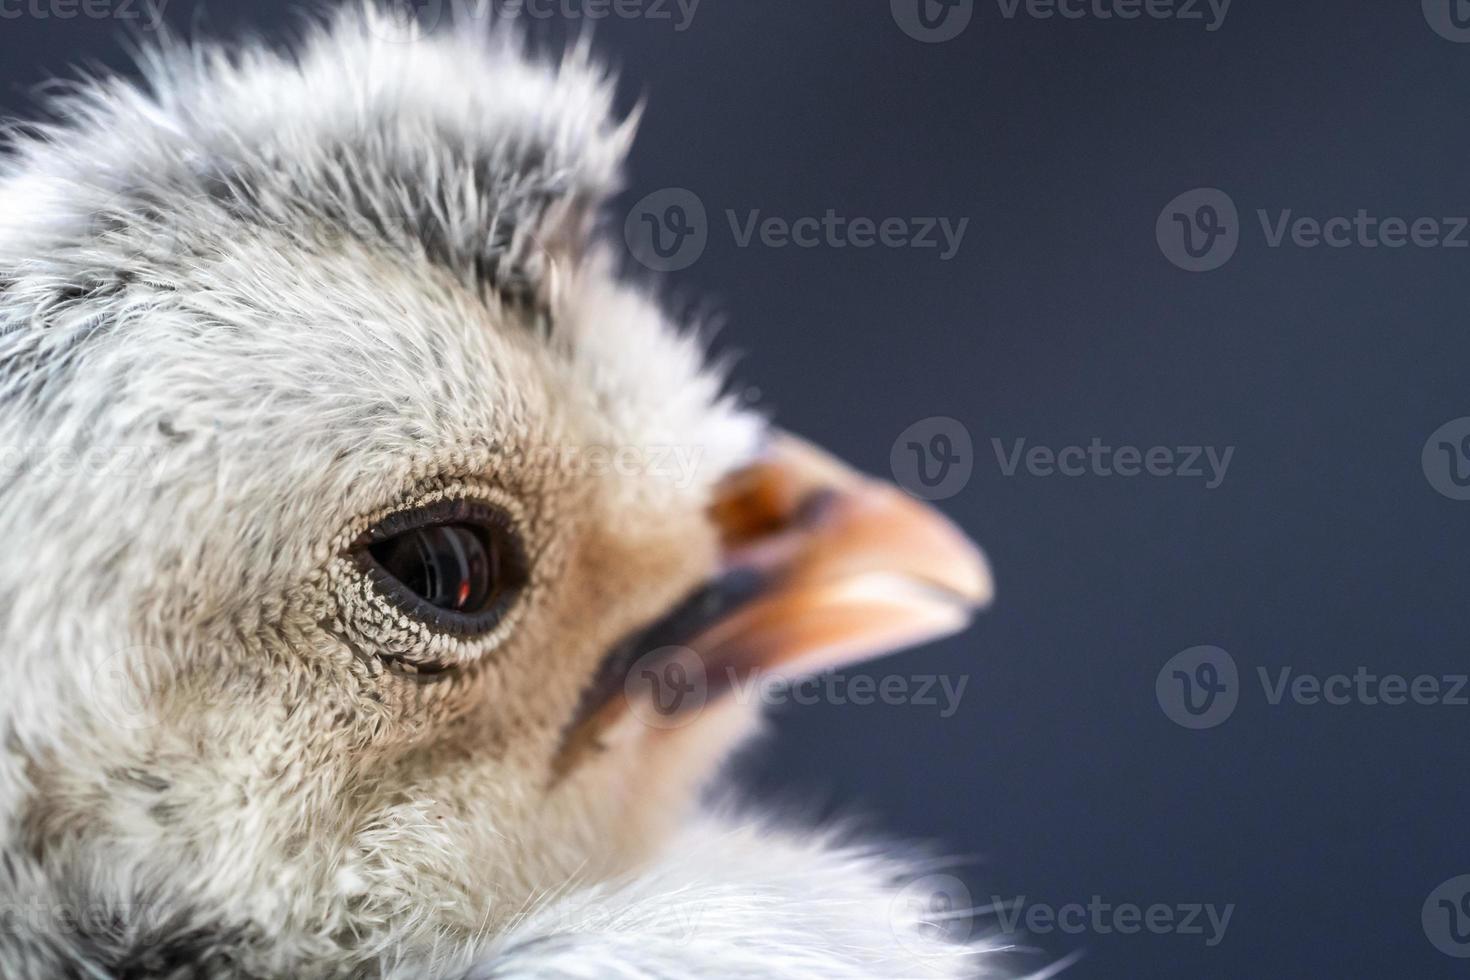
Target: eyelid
448	510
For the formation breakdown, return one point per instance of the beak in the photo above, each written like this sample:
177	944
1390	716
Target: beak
847	567
822	567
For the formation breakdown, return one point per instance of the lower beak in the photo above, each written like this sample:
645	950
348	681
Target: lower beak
822	567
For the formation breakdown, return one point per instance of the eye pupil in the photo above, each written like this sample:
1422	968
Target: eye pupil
456	567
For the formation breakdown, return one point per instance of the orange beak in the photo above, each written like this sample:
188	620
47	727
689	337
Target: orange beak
851	568
822	567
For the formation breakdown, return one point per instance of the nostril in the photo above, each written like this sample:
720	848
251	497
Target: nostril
752	504
763	501
815	508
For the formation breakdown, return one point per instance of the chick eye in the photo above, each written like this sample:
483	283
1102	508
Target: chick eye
456	565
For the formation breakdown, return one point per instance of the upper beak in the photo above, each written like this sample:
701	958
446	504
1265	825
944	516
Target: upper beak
821	567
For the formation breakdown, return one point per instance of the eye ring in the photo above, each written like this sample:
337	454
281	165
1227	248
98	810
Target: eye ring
455	565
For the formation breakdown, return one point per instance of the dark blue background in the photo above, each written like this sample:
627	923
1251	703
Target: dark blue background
1325	548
